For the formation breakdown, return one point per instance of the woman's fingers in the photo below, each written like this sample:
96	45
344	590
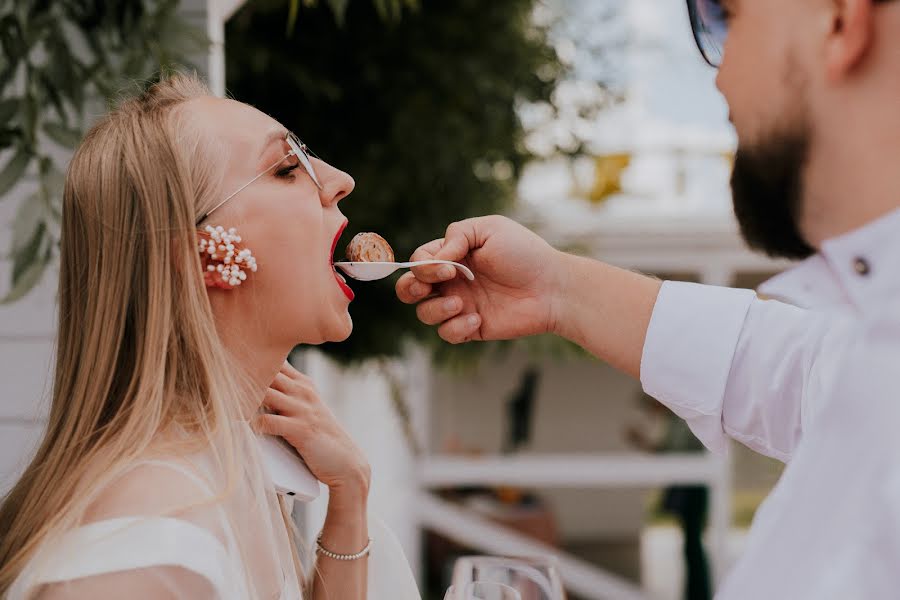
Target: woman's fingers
269	424
291	384
297	397
288	369
438	310
282	383
280	402
461	329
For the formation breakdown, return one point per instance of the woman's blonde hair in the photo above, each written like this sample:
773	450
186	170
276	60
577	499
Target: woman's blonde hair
137	349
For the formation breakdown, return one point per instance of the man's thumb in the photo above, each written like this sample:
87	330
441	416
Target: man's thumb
458	242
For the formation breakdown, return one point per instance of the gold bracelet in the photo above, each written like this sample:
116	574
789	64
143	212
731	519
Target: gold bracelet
346	557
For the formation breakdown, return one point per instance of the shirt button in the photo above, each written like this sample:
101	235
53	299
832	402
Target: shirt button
861	266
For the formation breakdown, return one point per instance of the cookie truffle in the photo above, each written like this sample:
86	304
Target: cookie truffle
369	247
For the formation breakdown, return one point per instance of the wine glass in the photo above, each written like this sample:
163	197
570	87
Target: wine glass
482	590
532	578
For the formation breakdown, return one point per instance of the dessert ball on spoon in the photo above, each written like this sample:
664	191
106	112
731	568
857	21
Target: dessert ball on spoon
369	247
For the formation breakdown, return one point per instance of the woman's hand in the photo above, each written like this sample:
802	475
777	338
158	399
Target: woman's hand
301	418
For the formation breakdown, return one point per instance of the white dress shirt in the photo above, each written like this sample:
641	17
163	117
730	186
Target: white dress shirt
812	379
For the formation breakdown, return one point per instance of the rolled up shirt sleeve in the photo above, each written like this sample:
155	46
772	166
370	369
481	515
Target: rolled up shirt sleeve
688	352
732	365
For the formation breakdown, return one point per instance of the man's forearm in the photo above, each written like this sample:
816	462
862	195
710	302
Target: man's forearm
605	310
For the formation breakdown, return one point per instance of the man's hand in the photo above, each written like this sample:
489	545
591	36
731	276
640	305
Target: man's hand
524	287
518	278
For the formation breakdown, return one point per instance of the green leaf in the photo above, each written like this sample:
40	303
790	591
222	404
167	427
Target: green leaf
8	136
8	72
29	216
339	8
11	38
29	278
8	109
53	95
382	8
29	120
29	253
293	11
14	170
64	72
62	135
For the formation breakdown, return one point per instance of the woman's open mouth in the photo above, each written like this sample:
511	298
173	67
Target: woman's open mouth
342	283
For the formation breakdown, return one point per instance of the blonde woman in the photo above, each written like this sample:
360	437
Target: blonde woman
196	252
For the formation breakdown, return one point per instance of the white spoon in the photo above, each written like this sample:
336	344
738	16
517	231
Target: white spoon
370	271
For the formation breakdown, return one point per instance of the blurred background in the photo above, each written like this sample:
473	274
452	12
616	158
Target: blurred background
594	122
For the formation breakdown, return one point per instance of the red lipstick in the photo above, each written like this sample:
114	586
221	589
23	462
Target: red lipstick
342	283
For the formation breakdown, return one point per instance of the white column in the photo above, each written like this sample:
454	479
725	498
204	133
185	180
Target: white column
215	30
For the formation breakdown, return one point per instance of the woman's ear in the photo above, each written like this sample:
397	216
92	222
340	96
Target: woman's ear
225	259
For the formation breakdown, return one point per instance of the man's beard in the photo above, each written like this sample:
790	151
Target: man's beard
767	191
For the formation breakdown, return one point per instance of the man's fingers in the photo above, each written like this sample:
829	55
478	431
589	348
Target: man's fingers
461	329
410	290
431	273
434	273
438	310
427	251
460	239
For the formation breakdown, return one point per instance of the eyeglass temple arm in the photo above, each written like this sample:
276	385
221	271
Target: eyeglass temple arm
240	189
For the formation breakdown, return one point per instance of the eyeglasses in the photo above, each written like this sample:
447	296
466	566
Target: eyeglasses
298	149
709	22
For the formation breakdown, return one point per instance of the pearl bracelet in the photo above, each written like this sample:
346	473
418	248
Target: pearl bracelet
346	557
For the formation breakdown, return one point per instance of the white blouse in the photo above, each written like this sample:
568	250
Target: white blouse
172	534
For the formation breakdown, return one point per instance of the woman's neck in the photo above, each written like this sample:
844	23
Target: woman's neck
258	359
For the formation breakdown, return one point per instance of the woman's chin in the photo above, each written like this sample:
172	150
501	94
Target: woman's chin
343	330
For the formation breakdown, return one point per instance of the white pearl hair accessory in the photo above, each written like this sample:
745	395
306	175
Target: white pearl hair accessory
217	245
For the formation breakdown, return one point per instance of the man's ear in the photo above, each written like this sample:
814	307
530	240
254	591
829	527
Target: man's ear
851	30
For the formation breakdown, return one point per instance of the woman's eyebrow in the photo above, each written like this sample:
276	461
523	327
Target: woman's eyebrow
273	136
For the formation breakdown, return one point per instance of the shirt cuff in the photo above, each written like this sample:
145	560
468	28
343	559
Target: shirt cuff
690	345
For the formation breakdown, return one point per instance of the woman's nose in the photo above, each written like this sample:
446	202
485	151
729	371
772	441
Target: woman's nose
336	184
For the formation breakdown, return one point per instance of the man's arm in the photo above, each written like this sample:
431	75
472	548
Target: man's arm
605	310
725	361
728	363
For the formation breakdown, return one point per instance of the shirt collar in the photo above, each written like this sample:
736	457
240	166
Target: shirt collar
856	270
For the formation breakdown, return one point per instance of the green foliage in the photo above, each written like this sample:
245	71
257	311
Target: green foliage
55	58
420	110
387	9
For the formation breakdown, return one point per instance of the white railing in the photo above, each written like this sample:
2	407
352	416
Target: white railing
576	471
472	530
